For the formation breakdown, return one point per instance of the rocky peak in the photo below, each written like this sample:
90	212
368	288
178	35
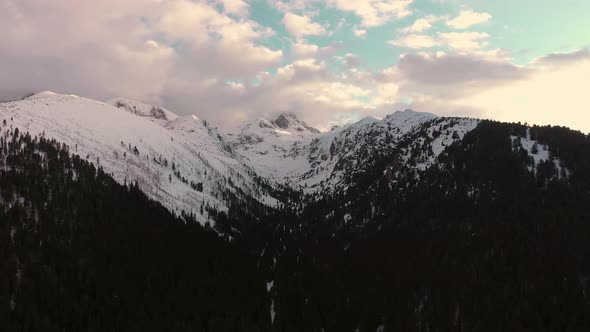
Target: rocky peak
155	113
285	120
290	121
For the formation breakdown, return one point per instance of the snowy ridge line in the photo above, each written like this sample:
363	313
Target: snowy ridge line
323	163
135	148
188	165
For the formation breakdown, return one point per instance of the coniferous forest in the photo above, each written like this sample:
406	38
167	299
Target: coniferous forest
81	253
486	240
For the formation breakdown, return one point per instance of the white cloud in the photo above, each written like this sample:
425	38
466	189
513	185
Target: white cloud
421	25
291	5
387	94
195	59
467	18
236	7
303	50
415	41
371	12
359	32
303	85
374	12
462	41
300	49
301	25
147	50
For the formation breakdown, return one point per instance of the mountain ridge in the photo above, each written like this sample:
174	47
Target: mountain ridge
186	166
189	165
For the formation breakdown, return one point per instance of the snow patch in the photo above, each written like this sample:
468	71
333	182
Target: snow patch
272	311
539	153
43	94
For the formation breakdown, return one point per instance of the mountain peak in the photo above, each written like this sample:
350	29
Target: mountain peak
285	119
48	94
409	113
43	94
291	121
156	113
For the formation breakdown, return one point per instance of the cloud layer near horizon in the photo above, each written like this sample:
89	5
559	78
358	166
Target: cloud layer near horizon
212	59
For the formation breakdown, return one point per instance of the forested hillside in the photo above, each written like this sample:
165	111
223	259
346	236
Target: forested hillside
482	241
79	252
492	237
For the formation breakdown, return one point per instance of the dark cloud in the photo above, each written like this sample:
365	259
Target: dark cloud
549	90
451	69
561	59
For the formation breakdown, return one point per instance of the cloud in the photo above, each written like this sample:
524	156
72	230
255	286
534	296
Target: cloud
467	18
297	87
421	25
464	40
236	7
558	59
551	95
292	5
209	58
374	12
548	90
303	50
415	41
48	47
447	75
453	40
143	50
203	35
371	12
301	25
359	32
300	49
352	60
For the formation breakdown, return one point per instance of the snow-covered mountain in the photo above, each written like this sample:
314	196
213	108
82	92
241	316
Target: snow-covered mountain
185	163
180	161
273	147
304	158
154	113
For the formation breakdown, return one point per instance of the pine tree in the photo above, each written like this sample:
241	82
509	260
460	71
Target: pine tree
535	148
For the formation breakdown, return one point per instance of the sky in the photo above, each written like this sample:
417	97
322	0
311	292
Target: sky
330	62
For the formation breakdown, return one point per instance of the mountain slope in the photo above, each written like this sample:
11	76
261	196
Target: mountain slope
154	113
476	242
268	146
410	223
80	252
180	162
325	162
186	164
